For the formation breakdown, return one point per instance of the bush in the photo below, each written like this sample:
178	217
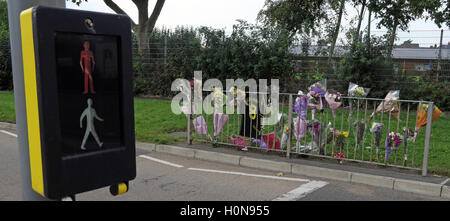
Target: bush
6	82
251	51
368	67
437	92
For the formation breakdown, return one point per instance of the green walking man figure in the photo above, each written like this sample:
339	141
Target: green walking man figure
90	114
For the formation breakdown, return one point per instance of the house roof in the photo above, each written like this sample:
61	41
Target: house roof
397	53
420	53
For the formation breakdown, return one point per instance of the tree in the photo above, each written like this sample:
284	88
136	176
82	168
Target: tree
395	14
441	15
437	10
296	16
145	24
6	82
335	33
356	39
368	29
367	67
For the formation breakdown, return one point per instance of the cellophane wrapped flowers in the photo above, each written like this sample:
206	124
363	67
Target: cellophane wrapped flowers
393	141
377	131
360	131
316	96
334	101
355	90
338	138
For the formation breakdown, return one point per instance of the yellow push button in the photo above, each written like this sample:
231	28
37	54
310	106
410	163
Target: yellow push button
118	189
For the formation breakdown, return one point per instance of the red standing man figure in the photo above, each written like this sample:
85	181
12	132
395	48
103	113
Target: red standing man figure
87	64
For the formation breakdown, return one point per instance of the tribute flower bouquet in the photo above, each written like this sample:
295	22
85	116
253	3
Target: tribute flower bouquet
422	116
408	137
238	141
300	122
393	141
315	128
360	131
339	156
339	141
334	101
389	105
355	90
376	130
316	96
201	127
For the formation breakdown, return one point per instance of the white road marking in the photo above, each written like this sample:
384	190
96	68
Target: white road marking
161	161
301	191
298	193
445	181
9	133
251	175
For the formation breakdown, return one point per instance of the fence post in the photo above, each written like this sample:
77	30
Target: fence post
189	120
439	56
189	126
427	139
289	141
165	52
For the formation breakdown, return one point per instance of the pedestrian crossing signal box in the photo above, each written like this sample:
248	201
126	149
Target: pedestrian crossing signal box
79	100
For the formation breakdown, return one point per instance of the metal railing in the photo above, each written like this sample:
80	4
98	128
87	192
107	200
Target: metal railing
346	135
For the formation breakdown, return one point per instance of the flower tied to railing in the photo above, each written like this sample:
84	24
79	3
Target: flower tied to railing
300	122
409	136
360	131
338	138
238	141
301	106
422	113
393	141
339	156
377	131
389	105
355	90
316	96
334	101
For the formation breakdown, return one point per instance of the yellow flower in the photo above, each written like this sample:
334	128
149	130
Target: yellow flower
345	133
359	91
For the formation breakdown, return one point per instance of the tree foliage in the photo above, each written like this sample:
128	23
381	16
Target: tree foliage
368	67
251	51
6	82
296	16
436	10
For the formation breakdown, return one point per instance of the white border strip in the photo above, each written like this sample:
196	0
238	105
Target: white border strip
251	175
161	161
9	133
301	191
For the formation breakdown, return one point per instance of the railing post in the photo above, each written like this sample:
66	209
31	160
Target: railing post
189	126
15	7
427	139
289	141
189	121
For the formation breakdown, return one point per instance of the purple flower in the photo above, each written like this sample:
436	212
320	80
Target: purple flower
388	149
300	107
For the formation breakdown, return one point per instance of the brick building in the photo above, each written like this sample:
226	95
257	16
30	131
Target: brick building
409	58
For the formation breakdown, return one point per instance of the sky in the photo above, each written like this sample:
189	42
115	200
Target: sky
222	14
